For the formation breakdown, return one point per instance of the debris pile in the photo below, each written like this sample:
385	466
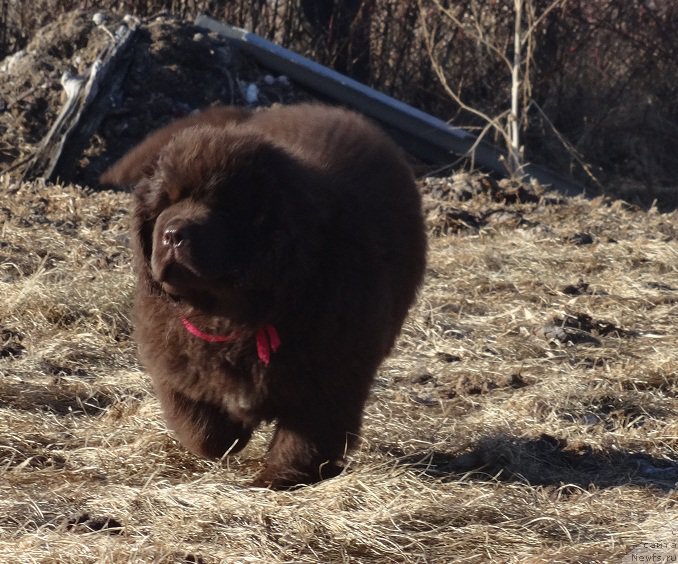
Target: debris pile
171	68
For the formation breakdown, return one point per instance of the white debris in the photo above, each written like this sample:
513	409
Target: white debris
252	93
131	20
268	79
72	83
99	18
8	64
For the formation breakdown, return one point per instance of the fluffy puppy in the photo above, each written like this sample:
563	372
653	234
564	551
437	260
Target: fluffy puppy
277	255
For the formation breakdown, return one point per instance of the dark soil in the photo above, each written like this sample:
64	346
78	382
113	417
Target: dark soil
174	68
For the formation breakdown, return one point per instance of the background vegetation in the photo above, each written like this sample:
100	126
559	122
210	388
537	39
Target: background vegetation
599	97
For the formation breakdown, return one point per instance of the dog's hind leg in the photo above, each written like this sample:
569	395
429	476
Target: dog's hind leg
301	455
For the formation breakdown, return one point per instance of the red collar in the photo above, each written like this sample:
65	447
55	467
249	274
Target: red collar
267	338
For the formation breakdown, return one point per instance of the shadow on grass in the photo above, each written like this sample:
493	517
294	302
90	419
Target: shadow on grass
60	399
545	461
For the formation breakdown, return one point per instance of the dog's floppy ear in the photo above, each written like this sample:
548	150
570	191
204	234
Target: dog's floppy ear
140	162
149	201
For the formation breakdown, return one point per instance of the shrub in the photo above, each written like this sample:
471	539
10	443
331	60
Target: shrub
600	96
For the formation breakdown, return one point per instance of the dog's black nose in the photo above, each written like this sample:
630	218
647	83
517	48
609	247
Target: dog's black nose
175	235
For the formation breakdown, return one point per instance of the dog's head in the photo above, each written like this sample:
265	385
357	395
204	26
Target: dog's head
218	219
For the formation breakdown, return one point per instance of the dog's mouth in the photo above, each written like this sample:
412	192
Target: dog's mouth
199	268
174	271
184	284
177	282
181	282
182	287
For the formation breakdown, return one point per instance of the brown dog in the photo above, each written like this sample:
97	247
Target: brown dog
278	253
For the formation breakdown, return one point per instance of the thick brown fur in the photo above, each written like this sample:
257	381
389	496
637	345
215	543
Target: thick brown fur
305	218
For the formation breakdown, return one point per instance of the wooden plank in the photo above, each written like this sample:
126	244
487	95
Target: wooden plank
61	147
425	130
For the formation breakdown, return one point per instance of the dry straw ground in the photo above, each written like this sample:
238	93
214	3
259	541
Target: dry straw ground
529	413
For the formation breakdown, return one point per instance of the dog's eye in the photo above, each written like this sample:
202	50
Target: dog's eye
174	191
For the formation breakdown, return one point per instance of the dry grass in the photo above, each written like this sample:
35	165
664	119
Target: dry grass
508	426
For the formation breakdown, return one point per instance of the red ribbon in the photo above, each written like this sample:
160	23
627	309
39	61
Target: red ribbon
266	336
